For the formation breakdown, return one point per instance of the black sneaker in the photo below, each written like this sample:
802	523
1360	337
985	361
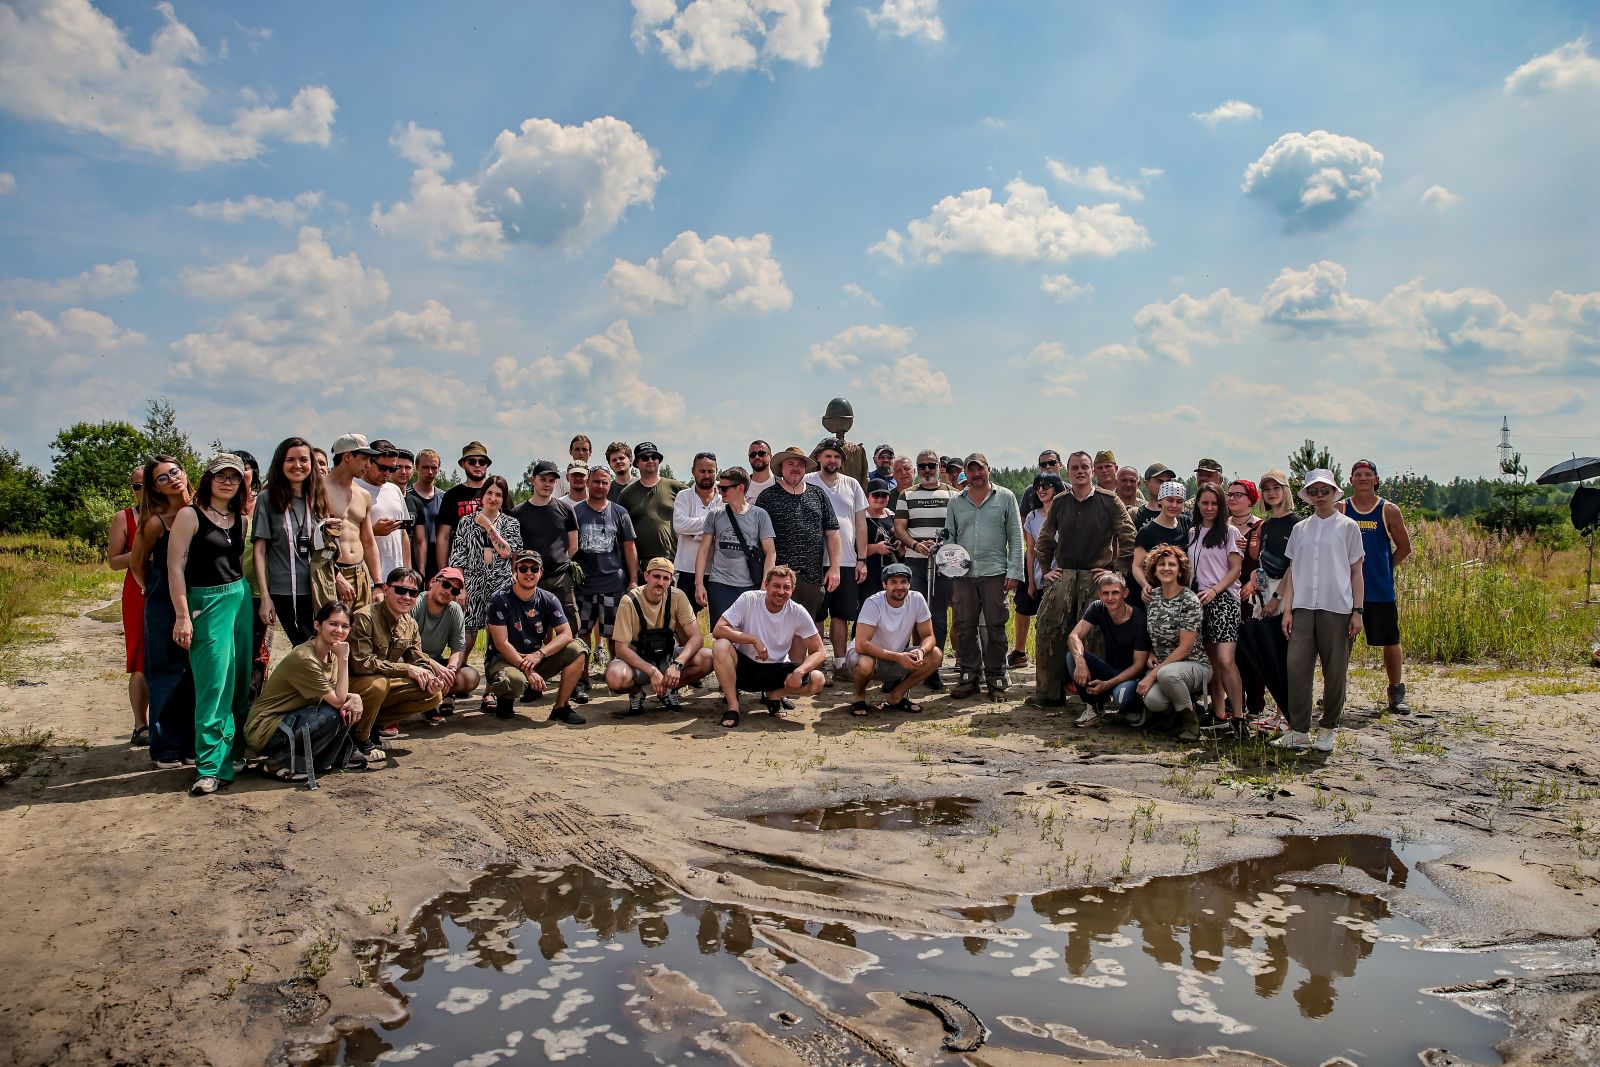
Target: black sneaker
565	714
580	695
966	687
672	699
635	702
530	697
935	683
504	707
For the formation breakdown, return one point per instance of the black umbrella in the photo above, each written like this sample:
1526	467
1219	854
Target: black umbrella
1571	470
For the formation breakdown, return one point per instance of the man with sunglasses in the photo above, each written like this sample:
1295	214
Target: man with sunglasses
919	515
1324	594
1049	463
461	501
761	477
389	671
390	514
443	627
689	510
650	500
530	641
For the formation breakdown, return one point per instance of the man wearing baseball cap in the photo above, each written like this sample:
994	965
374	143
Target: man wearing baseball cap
893	643
530	641
658	644
649	499
550	527
1387	543
1324	597
442	626
1155	476
344	568
983	520
461	501
883	465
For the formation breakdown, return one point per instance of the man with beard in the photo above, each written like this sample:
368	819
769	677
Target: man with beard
893	643
756	640
550	527
849	502
460	501
609	558
649	500
805	531
761	479
689	510
918	519
659	647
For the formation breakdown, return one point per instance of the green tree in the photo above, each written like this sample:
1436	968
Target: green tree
22	495
162	433
90	459
1305	459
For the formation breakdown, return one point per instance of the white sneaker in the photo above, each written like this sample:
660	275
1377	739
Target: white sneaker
1295	740
1088	718
203	787
1324	741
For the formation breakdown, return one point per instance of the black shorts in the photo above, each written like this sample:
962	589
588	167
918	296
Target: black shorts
753	677
1027	606
810	596
844	603
1380	621
685	580
597	609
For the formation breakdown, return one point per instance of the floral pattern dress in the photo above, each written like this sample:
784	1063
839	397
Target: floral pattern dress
485	571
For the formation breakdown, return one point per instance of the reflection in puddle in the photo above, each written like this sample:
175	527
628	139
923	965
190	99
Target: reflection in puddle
874	815
571	965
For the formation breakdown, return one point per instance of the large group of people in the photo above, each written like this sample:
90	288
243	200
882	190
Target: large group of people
1147	602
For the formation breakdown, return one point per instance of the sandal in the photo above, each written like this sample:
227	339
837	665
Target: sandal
860	708
905	704
280	774
730	719
774	707
141	737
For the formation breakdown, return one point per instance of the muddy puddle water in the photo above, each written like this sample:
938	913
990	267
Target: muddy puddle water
873	815
566	965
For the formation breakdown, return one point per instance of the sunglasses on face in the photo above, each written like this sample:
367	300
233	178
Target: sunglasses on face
527	568
404	591
1320	490
137	487
474	462
1049	463
454	587
726	488
389	469
759	455
927	466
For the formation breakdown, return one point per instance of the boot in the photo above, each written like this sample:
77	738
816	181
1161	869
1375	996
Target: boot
1188	725
1397	699
967	686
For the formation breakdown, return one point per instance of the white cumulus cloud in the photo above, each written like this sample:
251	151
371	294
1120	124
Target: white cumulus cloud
1025	226
1438	198
738	273
851	289
879	356
907	18
102	279
1228	111
82	360
544	184
8	182
1315	179
1097	179
1316	299
598	382
733	35
1569	66
1061	288
849	347
287	212
432	326
1170	328
65	62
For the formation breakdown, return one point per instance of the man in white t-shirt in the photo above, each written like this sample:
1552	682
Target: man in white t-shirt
849	502
894	643
390	512
752	650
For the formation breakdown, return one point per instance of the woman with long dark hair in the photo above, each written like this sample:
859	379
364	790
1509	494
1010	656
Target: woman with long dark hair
1216	551
482	551
211	602
293	506
301	721
166	665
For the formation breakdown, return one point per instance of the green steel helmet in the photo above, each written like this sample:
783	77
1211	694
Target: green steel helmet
840	415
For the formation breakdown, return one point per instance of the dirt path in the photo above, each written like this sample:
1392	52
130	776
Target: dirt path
142	926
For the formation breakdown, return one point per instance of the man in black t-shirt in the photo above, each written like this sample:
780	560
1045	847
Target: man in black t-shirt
550	528
423	500
1115	678
530	640
805	529
461	501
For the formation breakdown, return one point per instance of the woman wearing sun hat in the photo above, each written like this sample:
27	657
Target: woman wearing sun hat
1323	596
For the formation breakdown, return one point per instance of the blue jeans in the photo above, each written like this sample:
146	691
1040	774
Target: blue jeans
1125	696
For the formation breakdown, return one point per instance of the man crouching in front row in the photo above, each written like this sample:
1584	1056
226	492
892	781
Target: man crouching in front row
530	640
758	639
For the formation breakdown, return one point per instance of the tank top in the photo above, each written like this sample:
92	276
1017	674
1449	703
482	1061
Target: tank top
155	567
215	555
1378	568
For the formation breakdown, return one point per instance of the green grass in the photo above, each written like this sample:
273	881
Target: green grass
40	577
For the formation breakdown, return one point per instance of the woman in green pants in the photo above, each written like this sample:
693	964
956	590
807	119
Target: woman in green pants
212	604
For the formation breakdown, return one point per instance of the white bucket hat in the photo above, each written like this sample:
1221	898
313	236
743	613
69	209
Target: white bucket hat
1320	476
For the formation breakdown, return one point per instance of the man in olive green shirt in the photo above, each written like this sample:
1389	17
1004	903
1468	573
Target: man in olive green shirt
649	499
389	671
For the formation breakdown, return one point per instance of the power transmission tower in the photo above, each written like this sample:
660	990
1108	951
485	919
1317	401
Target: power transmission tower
1506	456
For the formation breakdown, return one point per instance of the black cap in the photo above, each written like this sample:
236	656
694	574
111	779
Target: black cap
383	447
646	448
527	555
877	485
543	466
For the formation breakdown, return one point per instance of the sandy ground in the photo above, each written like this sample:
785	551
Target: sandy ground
143	926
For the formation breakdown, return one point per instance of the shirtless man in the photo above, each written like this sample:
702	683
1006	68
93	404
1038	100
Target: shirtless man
343	569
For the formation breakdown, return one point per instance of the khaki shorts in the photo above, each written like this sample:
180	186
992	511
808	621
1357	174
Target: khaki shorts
505	679
885	670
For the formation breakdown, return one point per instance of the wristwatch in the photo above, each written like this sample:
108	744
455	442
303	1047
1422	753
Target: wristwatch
1358	610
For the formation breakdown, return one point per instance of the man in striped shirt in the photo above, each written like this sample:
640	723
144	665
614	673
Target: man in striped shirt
919	515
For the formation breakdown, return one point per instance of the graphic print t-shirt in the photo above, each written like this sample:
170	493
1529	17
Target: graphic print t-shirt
600	537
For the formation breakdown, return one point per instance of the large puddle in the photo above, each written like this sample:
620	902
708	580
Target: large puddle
566	965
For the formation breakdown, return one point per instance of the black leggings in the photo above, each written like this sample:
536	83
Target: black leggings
294	615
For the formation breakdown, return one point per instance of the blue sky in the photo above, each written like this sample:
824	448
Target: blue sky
1001	226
